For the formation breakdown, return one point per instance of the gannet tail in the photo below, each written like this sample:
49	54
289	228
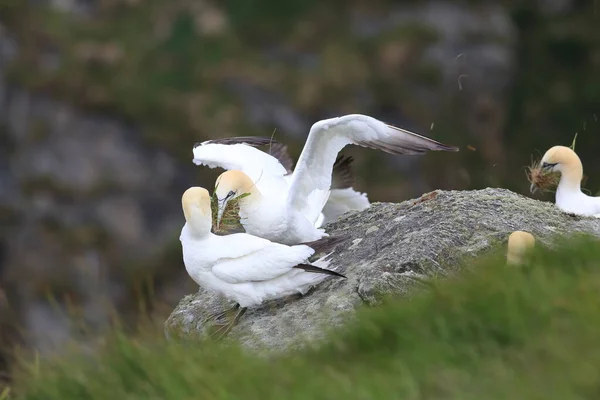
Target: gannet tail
317	270
326	243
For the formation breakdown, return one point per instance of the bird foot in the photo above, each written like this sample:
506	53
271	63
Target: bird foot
224	329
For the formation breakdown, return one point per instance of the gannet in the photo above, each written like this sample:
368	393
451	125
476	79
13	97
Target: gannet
287	209
242	267
569	197
252	162
519	243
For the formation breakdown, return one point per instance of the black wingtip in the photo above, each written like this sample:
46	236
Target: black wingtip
445	147
342	175
280	152
326	243
317	270
416	150
253	141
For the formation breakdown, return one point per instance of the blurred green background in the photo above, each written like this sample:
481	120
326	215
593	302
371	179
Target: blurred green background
101	101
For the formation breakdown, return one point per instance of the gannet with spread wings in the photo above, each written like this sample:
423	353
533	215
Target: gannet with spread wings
287	208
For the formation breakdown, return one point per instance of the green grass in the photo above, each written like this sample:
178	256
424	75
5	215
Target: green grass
496	332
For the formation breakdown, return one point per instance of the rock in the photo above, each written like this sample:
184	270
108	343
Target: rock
99	205
415	239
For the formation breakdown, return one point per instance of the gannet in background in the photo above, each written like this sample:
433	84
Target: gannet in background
287	209
569	197
242	267
519	243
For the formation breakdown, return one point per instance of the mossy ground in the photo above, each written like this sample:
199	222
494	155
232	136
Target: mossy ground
495	332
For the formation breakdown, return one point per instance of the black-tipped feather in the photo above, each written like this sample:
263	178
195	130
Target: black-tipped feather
326	243
433	144
404	145
317	270
280	152
342	175
253	141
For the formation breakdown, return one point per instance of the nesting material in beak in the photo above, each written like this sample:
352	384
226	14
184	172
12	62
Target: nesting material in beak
226	215
542	179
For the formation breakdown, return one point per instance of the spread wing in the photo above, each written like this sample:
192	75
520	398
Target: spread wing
237	156
312	175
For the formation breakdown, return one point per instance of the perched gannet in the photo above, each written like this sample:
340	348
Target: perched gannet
519	243
287	209
242	267
569	197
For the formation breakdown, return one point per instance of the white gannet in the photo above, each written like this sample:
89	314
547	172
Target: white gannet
287	209
275	167
519	243
242	267
569	197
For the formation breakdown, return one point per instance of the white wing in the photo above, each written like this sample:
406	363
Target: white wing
327	137
242	157
344	200
264	264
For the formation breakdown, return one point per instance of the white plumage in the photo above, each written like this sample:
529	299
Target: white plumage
341	201
569	196
288	208
242	267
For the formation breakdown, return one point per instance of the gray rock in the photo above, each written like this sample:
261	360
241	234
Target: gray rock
86	203
391	250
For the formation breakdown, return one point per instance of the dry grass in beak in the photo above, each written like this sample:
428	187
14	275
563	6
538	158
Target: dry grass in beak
230	221
543	181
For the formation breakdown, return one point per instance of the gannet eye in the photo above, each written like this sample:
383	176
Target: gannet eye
231	194
546	165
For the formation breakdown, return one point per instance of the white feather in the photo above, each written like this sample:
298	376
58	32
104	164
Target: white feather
343	200
576	202
247	269
251	161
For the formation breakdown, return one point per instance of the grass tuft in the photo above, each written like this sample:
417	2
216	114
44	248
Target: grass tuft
230	221
544	181
495	332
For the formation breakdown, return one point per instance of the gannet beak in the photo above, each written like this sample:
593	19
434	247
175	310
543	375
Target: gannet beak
533	188
221	210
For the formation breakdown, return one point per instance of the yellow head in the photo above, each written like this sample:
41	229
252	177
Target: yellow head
196	209
519	243
565	161
231	184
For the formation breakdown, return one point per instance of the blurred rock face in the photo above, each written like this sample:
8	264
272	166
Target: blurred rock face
85	202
